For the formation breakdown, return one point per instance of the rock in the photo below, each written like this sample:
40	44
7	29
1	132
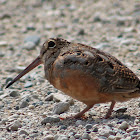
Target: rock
63	127
1	105
5	15
34	135
88	126
4	121
133	48
3	43
19	68
120	22
31	107
81	32
2	54
102	46
8	80
126	42
13	117
104	132
14	126
33	38
30	27
76	108
61	137
60	25
29	46
24	104
58	97
14	93
79	122
1	92
71	138
97	19
121	110
49	137
50	120
22	131
77	136
60	107
95	129
111	137
86	136
134	132
70	101
124	125
26	97
28	84
49	98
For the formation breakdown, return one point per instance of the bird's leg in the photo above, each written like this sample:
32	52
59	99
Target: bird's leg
110	110
82	112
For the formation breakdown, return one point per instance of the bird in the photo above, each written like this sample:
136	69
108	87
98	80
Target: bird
85	73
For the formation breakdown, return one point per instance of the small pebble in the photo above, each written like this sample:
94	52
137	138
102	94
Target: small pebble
95	129
81	32
49	98
14	93
31	107
28	84
34	135
60	25
60	107
77	136
63	127
121	110
111	137
8	80
19	68
14	126
58	97
2	54
86	136
124	125
22	131
29	46
3	43
3	121
24	104
61	137
30	27
49	137
72	138
50	120
1	92
79	122
104	132
133	48
134	132
88	126
33	38
102	46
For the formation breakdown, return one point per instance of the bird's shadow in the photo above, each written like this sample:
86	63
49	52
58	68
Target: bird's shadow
118	118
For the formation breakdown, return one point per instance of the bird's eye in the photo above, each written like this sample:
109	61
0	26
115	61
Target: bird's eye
51	44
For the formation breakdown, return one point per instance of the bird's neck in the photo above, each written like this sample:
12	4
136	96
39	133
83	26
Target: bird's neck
48	64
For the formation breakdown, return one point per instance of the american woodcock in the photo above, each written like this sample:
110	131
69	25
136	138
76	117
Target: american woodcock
85	73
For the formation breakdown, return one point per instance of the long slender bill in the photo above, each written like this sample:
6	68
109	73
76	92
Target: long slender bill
34	64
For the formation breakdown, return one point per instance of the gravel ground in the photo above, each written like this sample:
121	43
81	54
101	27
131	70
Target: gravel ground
30	109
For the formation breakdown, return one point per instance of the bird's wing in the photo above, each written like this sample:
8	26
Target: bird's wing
110	73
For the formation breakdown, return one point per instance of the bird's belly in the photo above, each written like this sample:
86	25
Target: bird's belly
80	86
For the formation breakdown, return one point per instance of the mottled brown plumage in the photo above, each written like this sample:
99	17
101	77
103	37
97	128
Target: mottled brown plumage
85	73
